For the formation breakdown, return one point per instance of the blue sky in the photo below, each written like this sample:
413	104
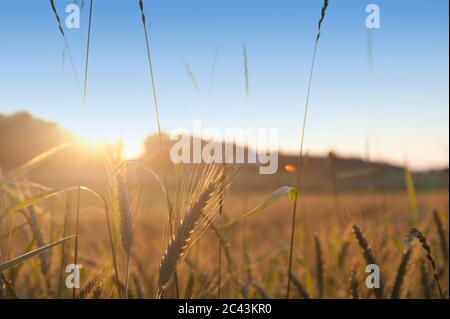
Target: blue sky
401	110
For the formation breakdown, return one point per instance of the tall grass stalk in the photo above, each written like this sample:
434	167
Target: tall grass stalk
126	224
87	52
424	281
139	290
415	233
203	204
77	222
77	218
192	77
319	266
300	155
442	236
149	59
411	189
222	185
246	81
299	285
231	266
401	273
213	69
368	256
63	249
66	44
354	284
158	122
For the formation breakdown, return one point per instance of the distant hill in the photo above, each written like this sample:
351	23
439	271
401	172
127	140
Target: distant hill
22	137
325	173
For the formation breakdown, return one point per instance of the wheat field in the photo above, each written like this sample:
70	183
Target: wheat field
148	228
126	225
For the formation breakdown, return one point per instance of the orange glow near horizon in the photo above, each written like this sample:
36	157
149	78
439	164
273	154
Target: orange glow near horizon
130	149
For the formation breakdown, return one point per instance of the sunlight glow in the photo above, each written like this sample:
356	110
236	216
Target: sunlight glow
95	132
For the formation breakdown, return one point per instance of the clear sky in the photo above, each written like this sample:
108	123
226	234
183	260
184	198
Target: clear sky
401	111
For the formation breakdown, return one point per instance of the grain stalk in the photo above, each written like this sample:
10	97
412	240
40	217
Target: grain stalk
61	31
424	281
204	203
368	256
401	273
139	290
39	238
319	266
88	288
32	219
222	185
75	260
415	233
354	284
192	77
158	122
189	286
246	81
213	69
343	253
63	249
77	221
411	190
299	285
231	267
126	224
87	52
300	155
246	256
442	236
261	291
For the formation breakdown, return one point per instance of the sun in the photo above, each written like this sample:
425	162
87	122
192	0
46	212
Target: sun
130	149
95	130
131	146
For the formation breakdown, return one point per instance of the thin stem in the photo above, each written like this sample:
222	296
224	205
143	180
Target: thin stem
155	99
127	275
155	102
222	185
116	271
299	164
61	31
75	258
87	53
302	138
72	63
63	250
219	274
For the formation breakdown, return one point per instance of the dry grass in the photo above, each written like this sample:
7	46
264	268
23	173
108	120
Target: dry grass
368	256
154	245
126	224
414	233
401	273
204	203
262	264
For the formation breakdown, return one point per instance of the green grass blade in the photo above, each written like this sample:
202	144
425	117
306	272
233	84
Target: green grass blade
18	260
273	197
411	195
